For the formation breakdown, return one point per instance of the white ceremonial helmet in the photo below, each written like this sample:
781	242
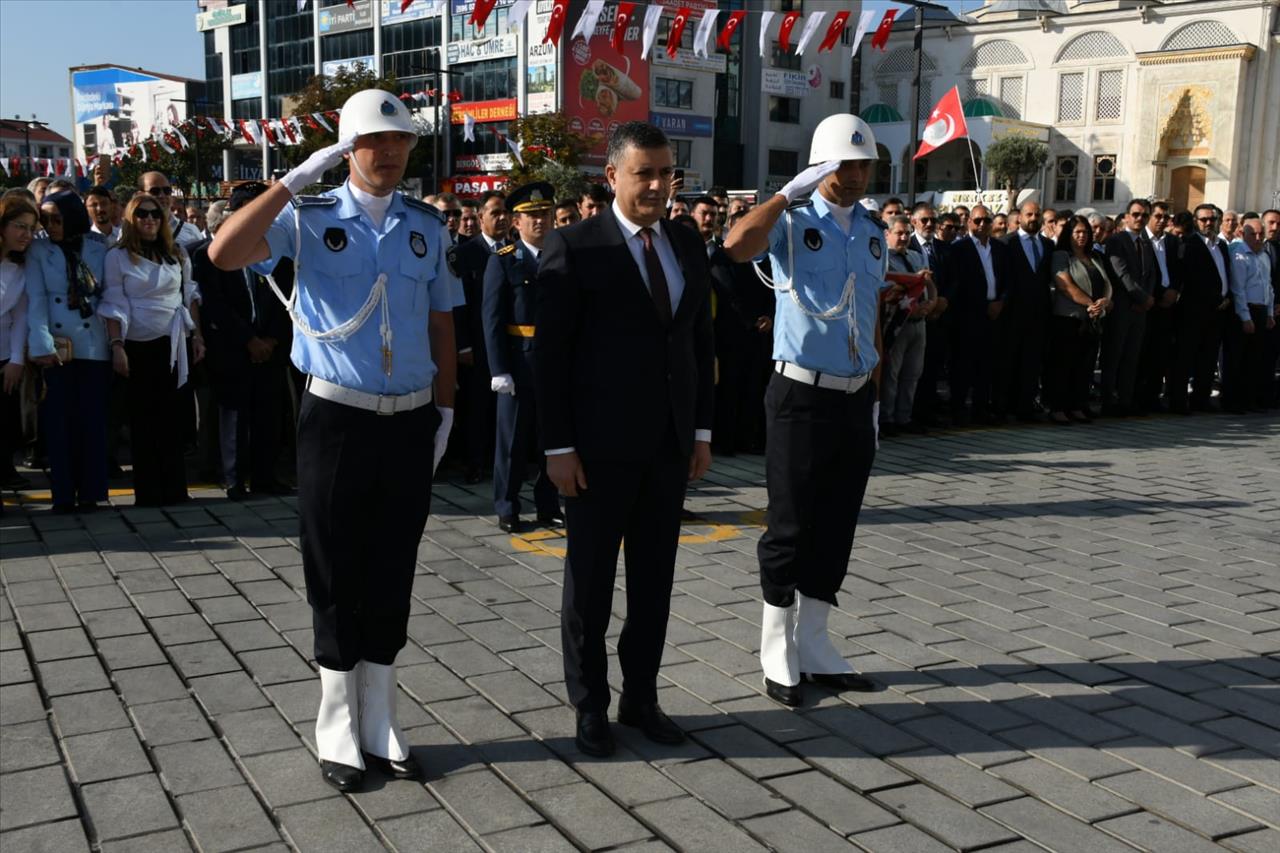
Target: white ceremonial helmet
843	136
374	111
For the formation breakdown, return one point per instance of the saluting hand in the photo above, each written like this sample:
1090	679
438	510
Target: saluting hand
565	470
805	182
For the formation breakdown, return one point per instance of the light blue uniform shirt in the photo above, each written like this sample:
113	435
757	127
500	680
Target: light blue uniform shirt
340	255
824	257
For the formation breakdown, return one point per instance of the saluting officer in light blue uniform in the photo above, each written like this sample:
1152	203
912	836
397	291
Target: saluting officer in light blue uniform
373	331
829	260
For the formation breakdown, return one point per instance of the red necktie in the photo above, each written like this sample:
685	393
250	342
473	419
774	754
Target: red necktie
657	278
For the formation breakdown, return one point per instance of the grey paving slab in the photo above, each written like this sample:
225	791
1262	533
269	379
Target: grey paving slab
65	836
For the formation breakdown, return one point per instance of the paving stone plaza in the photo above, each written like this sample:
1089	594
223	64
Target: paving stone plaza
1078	629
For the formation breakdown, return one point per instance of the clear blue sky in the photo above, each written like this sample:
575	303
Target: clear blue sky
43	38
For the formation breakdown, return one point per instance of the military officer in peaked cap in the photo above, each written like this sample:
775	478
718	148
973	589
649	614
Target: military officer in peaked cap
373	331
829	261
510	300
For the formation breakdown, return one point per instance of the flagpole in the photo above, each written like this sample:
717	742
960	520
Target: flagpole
977	183
915	104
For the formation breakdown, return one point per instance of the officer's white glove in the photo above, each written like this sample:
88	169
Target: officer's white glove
503	384
875	421
442	436
805	182
313	168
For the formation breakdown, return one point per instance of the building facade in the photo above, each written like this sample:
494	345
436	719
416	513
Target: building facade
1177	99
18	138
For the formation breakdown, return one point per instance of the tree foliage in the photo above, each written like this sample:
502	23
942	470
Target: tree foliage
1014	161
180	166
551	153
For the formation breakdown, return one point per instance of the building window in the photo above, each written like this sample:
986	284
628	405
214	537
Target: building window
1071	97
489	80
683	151
1066	172
1110	96
1104	177
786	110
1011	96
837	89
673	93
783	162
889	93
784	59
461	30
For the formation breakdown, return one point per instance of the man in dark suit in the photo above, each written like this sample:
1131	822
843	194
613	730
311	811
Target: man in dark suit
1204	272
980	270
249	335
625	382
509	317
1271	224
1155	363
1024	320
477	400
936	253
1135	275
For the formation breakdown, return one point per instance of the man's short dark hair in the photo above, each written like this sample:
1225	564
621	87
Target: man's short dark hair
484	199
950	217
959	207
634	134
1146	205
596	192
469	203
893	200
688	221
1185	220
567	205
1250	214
1271	210
718	192
920	207
1207	206
703	199
100	191
1162	204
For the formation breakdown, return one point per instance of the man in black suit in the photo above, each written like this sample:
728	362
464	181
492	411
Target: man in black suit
1204	270
936	252
1271	224
980	268
1131	262
625	382
1024	320
1157	341
249	335
477	402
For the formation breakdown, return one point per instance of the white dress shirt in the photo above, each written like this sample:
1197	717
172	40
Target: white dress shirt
150	301
666	256
13	312
984	255
1162	261
110	238
1212	243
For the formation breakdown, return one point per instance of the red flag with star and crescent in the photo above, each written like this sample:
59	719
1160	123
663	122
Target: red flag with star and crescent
480	13
834	31
677	30
555	26
621	21
730	27
945	123
784	30
881	37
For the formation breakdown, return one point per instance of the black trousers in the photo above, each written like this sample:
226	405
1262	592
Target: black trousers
1073	352
1122	333
258	409
516	443
935	359
10	427
741	371
821	444
158	416
1156	360
73	417
640	502
1020	334
364	494
1197	340
1245	380
479	407
971	363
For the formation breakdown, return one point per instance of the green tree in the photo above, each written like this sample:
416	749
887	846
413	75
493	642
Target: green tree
1013	162
179	167
551	153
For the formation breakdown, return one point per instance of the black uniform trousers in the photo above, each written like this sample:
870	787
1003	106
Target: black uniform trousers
364	494
1019	356
642	503
516	442
1122	334
479	404
821	444
1072	354
159	412
73	417
1245	380
1198	332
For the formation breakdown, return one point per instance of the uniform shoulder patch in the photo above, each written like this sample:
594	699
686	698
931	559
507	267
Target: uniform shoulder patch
507	249
314	201
415	204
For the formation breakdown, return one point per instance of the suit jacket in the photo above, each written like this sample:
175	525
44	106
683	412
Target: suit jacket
510	299
1133	278
612	377
1028	290
232	311
1198	275
741	298
939	260
471	258
969	280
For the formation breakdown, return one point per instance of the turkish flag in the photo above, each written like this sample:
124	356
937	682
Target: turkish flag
730	27
784	30
945	123
677	30
834	31
620	23
555	26
881	37
480	13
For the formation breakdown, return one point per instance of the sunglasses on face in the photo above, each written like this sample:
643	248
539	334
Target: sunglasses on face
147	213
160	191
1206	219
452	214
1159	216
925	220
979	220
1139	214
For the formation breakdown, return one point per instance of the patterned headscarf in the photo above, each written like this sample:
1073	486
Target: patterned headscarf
82	286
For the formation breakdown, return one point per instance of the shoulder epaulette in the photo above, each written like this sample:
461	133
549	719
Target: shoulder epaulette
507	249
799	203
314	200
424	207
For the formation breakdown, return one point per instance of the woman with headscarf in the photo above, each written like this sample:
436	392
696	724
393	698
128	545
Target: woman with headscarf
150	306
65	336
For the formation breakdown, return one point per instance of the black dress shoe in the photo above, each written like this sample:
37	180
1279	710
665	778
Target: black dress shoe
509	524
842	681
786	694
594	736
237	493
407	768
551	519
344	777
649	719
473	476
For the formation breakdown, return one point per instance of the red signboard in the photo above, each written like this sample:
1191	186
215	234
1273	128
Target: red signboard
473	186
604	88
483	111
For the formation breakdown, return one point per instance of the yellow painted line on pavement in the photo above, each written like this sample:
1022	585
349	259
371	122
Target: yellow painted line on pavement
697	532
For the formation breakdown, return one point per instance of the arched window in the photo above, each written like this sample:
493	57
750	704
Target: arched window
997	53
1200	34
1094	44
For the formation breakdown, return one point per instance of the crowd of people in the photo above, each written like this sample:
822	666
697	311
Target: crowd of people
113	322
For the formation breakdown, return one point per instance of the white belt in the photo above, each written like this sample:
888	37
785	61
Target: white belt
847	384
382	404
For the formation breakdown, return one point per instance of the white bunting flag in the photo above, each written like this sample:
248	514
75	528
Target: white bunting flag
652	17
587	23
518	13
766	18
469	127
514	145
182	139
319	117
302	4
811	25
864	23
706	29
4	164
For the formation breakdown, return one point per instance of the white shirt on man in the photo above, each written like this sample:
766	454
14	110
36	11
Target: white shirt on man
984	255
666	256
1212	243
1162	261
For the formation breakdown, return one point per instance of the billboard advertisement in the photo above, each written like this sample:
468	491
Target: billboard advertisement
114	107
357	15
395	12
540	67
604	88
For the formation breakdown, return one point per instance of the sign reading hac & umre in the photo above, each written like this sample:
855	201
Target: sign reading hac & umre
496	47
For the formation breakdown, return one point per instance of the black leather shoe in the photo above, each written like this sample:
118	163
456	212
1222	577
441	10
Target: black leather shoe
551	519
509	524
843	681
237	493
344	777
473	476
788	695
407	768
594	736
649	719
